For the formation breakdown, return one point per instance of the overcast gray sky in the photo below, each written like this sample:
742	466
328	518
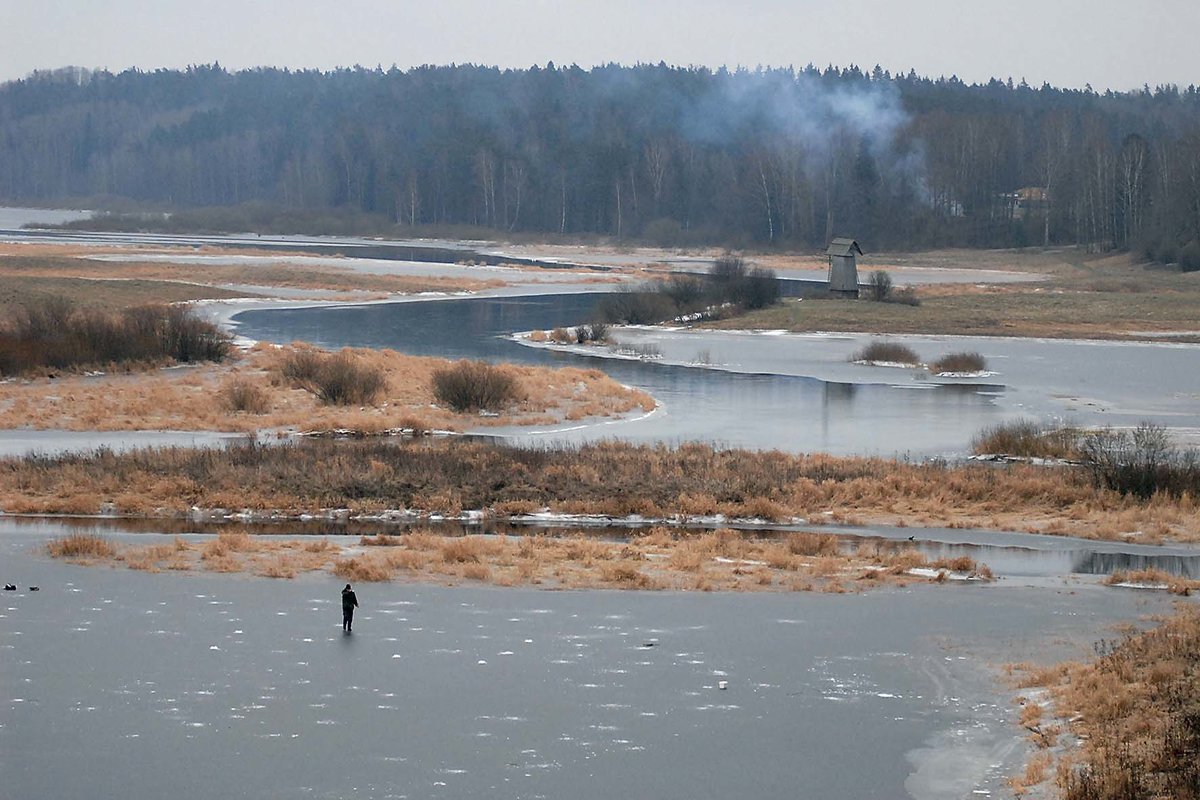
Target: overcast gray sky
1108	43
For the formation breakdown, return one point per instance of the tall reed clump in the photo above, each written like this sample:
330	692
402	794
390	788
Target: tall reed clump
1136	706
339	379
887	353
53	334
81	545
366	568
959	362
1027	438
243	395
473	386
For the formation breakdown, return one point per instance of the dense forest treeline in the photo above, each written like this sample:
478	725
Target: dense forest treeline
764	158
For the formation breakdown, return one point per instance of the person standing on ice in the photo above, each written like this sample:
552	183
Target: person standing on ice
349	603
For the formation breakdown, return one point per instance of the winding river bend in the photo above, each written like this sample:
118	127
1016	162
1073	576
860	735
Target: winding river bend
790	392
757	409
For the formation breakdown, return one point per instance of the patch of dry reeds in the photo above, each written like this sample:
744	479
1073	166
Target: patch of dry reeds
1134	711
363	569
474	386
184	399
81	545
1153	577
660	558
243	395
1028	439
614	479
53	334
959	362
881	352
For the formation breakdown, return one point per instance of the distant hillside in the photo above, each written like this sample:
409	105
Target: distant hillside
664	154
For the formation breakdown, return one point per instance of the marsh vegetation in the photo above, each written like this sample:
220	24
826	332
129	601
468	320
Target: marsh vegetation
880	352
607	479
1133	712
731	285
54	334
959	363
1142	461
301	387
655	558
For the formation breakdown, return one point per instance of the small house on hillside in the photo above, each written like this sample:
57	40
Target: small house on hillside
843	269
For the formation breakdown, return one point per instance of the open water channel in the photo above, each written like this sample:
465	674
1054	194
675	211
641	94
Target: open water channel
791	392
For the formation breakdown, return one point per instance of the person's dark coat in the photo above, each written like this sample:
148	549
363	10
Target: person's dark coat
349	602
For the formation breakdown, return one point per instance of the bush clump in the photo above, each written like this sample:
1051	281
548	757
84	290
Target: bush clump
597	331
959	362
53	334
879	286
246	396
1142	462
1189	256
748	287
636	306
887	353
880	289
81	545
341	379
474	386
729	282
1028	439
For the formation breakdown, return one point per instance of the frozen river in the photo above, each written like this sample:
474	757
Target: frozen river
758	390
120	683
794	392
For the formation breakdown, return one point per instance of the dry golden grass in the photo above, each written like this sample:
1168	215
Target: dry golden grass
662	558
1133	711
611	479
1036	771
41	262
81	545
1154	577
366	569
251	394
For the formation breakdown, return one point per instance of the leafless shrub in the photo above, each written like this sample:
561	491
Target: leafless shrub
887	353
959	362
471	385
1028	439
242	394
879	286
337	379
343	381
1141	462
53	334
301	366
